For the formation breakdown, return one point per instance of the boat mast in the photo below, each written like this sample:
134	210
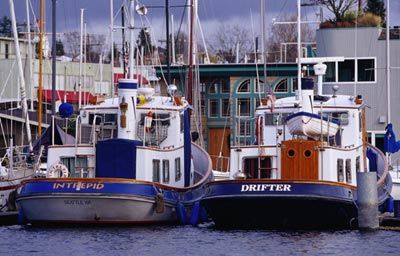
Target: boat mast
191	35
132	39
167	42
80	62
21	75
28	24
123	39
299	48
264	56
112	46
53	60
388	60
40	68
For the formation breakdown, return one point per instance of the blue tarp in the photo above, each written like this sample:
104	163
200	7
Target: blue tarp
116	158
389	140
372	157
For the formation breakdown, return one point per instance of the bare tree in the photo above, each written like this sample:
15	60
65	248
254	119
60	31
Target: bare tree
94	45
287	33
227	38
337	7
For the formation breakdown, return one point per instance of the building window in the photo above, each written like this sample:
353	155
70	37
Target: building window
7	51
244	128
260	86
282	86
225	86
330	75
348	170
244	86
243	107
213	87
366	70
178	172
156	170
225	107
165	171
340	173
213	108
346	71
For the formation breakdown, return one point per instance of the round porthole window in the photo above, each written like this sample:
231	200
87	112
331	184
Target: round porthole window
307	153
291	153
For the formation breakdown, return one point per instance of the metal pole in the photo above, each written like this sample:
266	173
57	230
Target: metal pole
53	59
84	64
132	40
263	48
40	68
29	52
167	40
123	39
173	39
388	60
21	74
80	62
112	47
299	48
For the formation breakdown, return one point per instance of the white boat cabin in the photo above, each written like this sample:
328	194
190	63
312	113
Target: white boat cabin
153	142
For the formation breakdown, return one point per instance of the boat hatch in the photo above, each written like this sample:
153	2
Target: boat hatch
299	159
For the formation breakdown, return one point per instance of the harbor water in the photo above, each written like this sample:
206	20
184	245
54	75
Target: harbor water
187	240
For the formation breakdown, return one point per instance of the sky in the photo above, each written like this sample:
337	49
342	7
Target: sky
212	14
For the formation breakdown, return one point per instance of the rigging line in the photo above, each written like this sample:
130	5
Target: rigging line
255	58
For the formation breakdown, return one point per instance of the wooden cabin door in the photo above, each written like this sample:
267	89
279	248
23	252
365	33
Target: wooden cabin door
216	138
299	160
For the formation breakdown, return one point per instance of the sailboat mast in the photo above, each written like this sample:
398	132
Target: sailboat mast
40	96
21	74
191	35
53	59
264	56
167	41
80	63
28	24
132	39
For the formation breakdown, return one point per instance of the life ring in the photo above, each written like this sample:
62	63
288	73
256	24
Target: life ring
148	123
271	99
259	130
58	170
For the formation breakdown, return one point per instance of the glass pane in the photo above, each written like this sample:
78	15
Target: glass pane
156	170
213	108
177	169
165	171
225	85
259	87
212	88
244	129
243	107
225	107
330	75
366	70
346	71
244	86
282	86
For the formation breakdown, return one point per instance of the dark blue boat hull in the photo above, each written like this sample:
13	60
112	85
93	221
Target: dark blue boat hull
280	204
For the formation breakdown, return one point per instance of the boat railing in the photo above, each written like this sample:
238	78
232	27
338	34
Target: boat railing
220	163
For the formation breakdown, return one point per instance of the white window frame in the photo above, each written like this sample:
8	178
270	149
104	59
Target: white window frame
355	72
209	108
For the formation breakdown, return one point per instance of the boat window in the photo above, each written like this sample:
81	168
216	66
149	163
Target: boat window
348	170
257	167
275	119
358	169
178	172
341	117
158	131
340	176
103	118
166	171
78	167
156	170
